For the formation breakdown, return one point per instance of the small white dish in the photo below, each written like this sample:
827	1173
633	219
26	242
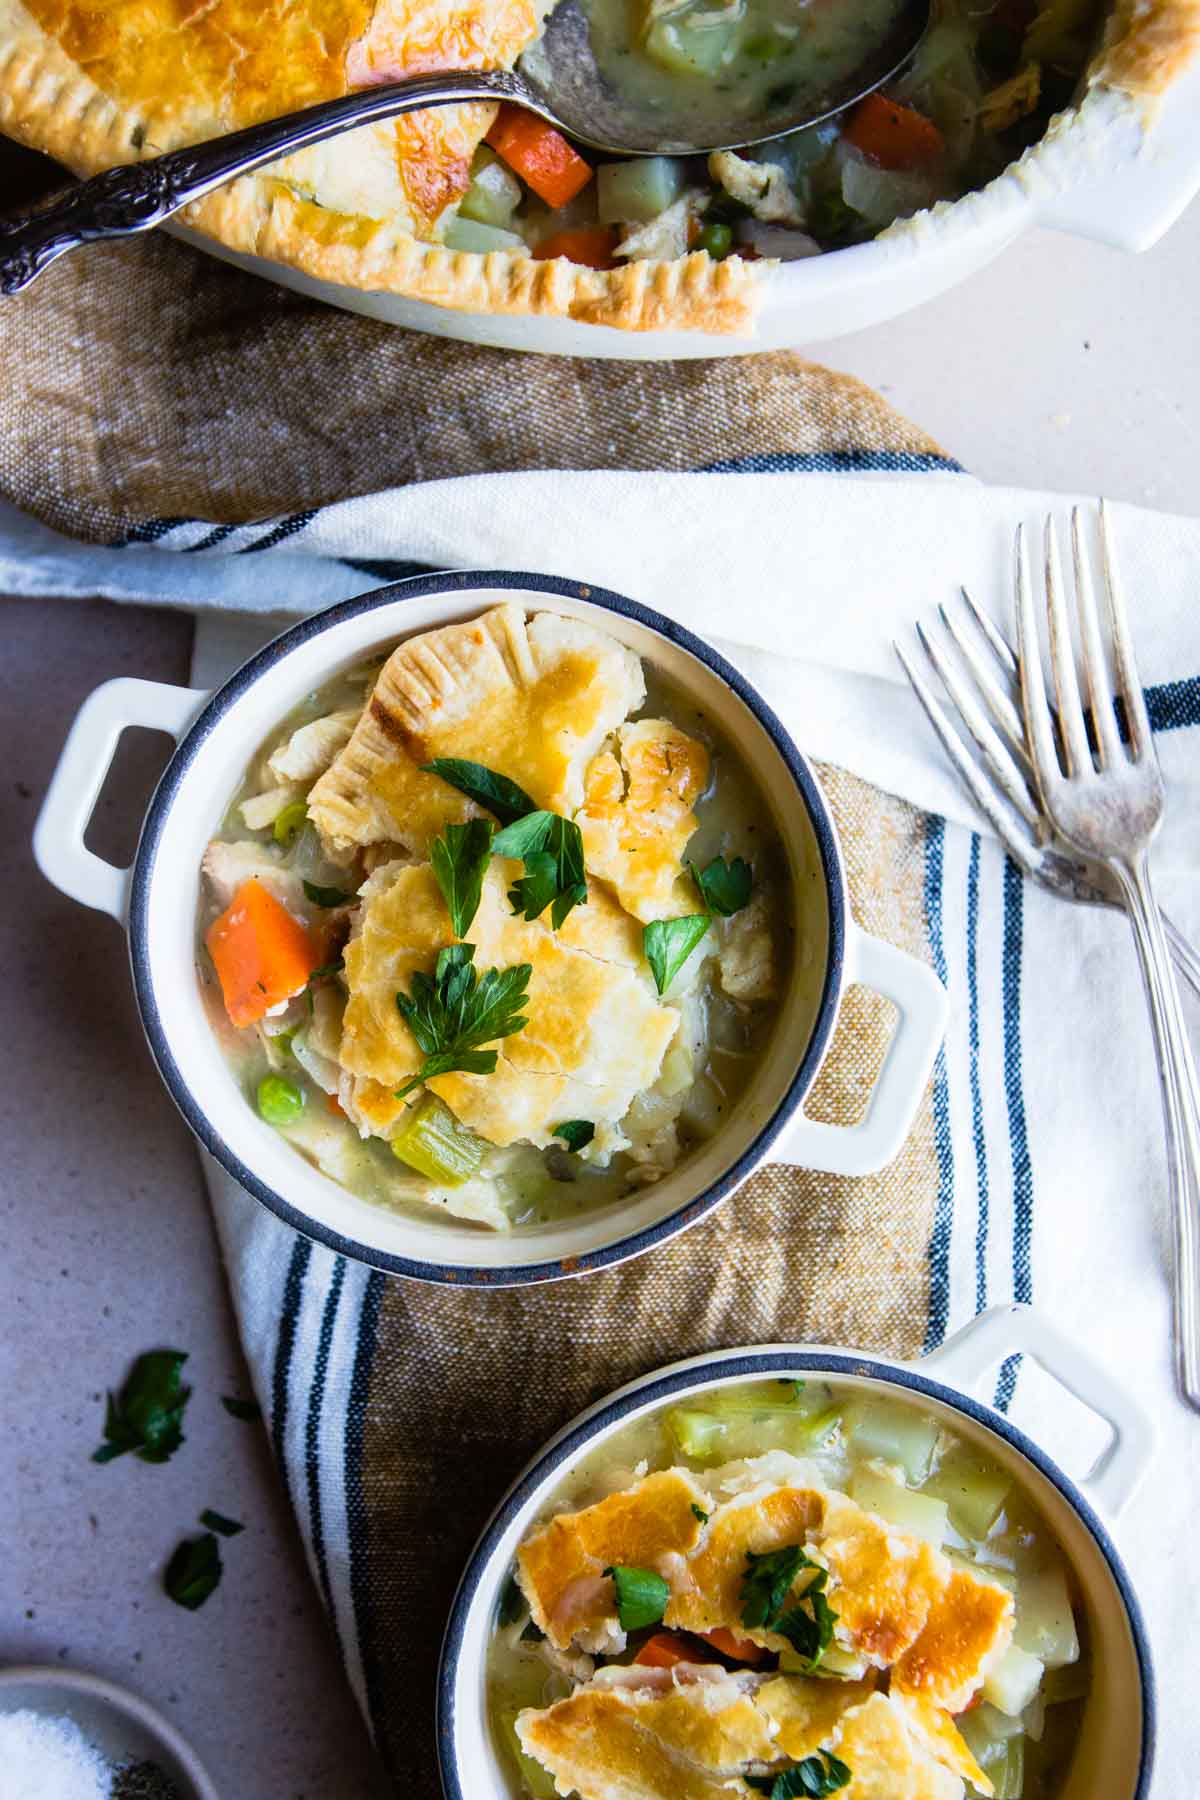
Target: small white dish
121	1725
1115	1753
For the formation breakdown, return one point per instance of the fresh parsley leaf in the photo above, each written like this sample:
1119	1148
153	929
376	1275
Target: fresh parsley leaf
512	1601
814	1778
326	896
241	1409
500	796
458	1010
575	1133
216	1521
724	887
642	1596
668	943
460	858
326	969
808	1626
766	1582
794	1383
551	848
193	1571
699	1513
147	1416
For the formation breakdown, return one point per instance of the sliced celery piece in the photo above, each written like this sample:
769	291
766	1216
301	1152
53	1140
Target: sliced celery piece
536	1781
974	1490
1007	1775
469	234
434	1143
698	1435
688	48
895	1433
636	192
1045	1621
918	1514
494	194
1011	1684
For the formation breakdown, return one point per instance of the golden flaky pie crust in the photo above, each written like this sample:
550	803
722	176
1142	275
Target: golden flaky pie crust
245	59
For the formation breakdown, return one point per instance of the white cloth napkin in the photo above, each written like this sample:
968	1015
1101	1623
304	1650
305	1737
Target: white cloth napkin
1053	1177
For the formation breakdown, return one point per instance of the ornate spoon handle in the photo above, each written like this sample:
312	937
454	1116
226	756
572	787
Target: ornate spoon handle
137	196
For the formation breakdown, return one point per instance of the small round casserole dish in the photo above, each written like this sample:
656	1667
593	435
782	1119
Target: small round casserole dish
157	900
1113	1743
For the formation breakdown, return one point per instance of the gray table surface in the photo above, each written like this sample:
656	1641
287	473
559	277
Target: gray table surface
1064	365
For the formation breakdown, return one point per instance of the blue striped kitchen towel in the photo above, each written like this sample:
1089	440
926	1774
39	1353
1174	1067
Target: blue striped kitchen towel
1036	1169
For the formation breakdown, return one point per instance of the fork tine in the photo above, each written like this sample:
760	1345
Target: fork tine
1002	820
1004	653
1038	727
1127	676
999	764
1104	718
1071	726
998	699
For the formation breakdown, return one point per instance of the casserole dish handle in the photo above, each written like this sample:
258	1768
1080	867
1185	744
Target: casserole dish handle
964	1359
922	1005
58	845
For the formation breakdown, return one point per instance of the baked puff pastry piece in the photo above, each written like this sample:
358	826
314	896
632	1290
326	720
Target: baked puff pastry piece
695	1732
637	816
532	697
900	1603
596	1032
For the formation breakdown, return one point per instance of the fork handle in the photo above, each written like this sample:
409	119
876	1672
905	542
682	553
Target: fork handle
1183	954
1181	1111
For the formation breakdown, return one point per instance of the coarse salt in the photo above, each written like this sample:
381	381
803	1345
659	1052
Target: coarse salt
43	1758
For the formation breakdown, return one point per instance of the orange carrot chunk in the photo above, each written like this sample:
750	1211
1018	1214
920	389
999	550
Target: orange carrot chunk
666	1648
592	247
738	1649
894	136
261	954
540	155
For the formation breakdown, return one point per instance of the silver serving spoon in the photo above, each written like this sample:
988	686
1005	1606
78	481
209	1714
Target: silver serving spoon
558	79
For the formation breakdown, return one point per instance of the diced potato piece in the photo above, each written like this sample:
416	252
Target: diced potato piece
688	49
637	191
894	1433
494	193
469	234
1011	1685
434	1143
919	1514
1045	1624
974	1490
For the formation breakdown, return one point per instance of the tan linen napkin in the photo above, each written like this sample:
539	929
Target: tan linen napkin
146	380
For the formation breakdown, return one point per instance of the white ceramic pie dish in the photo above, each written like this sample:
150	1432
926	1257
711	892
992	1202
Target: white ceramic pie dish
1107	170
1115	1754
156	900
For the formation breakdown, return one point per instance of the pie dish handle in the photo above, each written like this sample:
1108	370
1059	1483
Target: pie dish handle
1141	179
922	1003
83	766
1002	1331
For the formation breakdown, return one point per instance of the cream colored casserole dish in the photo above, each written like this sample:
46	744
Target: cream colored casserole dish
701	261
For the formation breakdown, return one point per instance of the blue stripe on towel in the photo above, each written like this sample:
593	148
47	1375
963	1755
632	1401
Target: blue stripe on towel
1014	1095
833	462
1174	704
150	530
943	1217
216	536
312	1443
293	1288
286	528
977	1133
356	1505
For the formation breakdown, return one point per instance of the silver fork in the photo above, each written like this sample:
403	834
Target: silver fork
1109	805
1002	782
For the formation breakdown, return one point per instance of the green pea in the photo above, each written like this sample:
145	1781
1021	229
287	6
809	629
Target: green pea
717	239
280	1101
290	823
